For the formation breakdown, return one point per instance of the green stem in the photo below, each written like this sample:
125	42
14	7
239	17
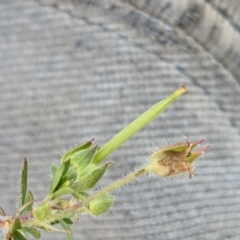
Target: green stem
136	125
80	206
115	185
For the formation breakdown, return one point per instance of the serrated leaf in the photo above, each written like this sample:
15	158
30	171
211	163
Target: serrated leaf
2	212
18	236
67	228
58	175
33	231
23	188
28	202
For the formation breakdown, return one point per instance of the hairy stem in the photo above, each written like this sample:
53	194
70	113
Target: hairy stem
115	185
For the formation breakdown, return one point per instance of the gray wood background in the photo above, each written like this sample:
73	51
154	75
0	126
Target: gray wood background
74	70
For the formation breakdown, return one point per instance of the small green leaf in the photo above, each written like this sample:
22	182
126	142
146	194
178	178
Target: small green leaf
16	225
23	189
18	236
33	231
68	221
2	212
67	228
58	175
28	199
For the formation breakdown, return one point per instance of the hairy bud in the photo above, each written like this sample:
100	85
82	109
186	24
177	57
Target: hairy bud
175	159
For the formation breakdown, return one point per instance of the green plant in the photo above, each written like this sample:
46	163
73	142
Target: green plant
80	170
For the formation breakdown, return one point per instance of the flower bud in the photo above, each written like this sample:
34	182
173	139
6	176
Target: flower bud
42	212
101	205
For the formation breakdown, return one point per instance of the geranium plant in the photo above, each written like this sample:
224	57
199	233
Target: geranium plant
80	169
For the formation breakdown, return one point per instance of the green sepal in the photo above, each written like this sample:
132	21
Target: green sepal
73	151
79	186
176	148
97	174
67	229
62	191
18	236
56	178
81	195
66	166
28	199
63	183
2	212
84	157
33	231
194	155
42	212
72	173
23	188
53	169
101	205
